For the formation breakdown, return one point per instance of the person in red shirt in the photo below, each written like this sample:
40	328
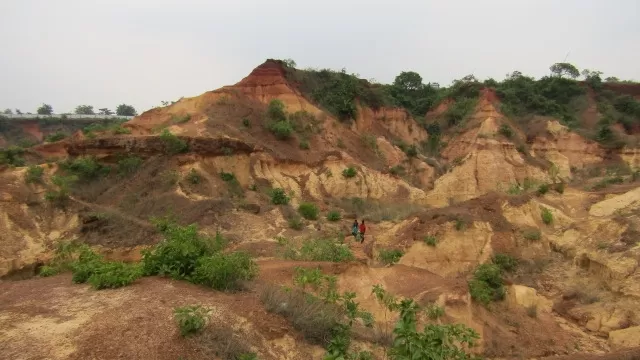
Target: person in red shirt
363	229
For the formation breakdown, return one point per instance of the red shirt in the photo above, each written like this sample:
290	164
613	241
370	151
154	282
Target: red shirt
363	228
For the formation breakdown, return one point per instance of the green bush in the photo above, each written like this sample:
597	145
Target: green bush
86	168
172	144
547	216
434	311
225	176
279	197
505	262
61	196
459	110
532	235
47	271
120	130
318	250
193	177
460	224
180	119
487	284
55	137
334	215
33	174
308	210
12	156
390	256
411	151
281	129
349	172
129	165
506	131
276	110
191	319
543	189
111	275
295	223
224	271
246	122
304	145
430	240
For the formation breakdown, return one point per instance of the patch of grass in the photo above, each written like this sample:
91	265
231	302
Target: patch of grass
222	271
279	197
57	136
603	245
547	215
246	122
313	277
172	144
33	174
434	312
328	249
304	145
506	131
308	210
606	182
532	234
460	224
514	189
349	172
389	257
129	165
430	240
86	168
295	223
47	271
542	189
191	319
220	342
193	176
487	284
170	177
180	119
225	176
505	262
334	215
369	140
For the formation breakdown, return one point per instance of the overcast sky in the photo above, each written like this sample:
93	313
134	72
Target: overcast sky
140	52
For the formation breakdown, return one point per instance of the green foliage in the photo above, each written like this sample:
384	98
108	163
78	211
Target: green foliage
61	196
606	182
304	145
180	119
506	131
295	223
430	240
225	176
505	262
313	277
434	311
279	197
460	224
328	249
129	164
57	136
84	110
397	170
349	172
334	215
559	187
459	110
126	110
33	174
47	271
411	151
172	144
487	284
45	109
246	122
547	216
191	319
389	257
276	110
308	210
532	234
543	189
281	129
194	177
119	130
111	275
223	271
560	69
86	168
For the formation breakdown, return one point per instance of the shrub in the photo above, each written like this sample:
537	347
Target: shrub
334	215
505	262
460	224
532	311
304	145
224	271
430	240
487	284
547	216
411	151
129	165
275	110
295	222
506	131
12	156
47	270
281	129
279	197
172	144
193	177
191	319
389	257
349	172
111	275
246	122
61	196
220	342
543	189
86	168
459	110
434	311
55	137
318	250
308	210
33	174
120	130
532	235
225	176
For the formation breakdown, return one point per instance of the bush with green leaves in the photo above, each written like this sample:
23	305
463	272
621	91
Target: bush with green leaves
172	144
559	187
434	311
295	223
12	156
334	215
129	164
191	319
532	234
246	122
397	170
542	189
390	257
327	249
111	275
506	131
281	129
55	137
459	110
47	271
349	172
430	240
547	215
33	174
60	196
119	130
506	262
308	210
225	176
279	197
180	119
86	168
460	224
194	177
487	284
223	271
304	144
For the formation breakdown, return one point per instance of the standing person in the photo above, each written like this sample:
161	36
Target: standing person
363	229
354	229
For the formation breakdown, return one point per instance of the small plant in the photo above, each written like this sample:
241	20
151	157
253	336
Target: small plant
308	210
487	284
246	122
389	257
33	174
317	250
47	271
430	240
334	215
603	245
547	216
543	189
295	223
86	168
460	224
281	129
411	151
223	271
349	172
225	176
253	187
304	145
279	197
173	145
194	177
191	319
340	144
55	137
505	262
129	165
120	130
227	151
304	277
180	119
559	187
506	131
514	189
111	275
434	312
532	235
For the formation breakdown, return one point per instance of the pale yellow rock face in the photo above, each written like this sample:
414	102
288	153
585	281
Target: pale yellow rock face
609	206
392	155
519	295
625	338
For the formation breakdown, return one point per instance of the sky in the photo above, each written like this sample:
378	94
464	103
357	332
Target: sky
141	52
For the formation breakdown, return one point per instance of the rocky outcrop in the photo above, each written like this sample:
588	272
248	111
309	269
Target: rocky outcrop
625	338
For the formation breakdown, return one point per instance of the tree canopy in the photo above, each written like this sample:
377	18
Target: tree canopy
126	110
45	109
561	69
85	110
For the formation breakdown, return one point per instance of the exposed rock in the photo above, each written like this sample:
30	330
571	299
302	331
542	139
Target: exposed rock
625	338
609	206
519	295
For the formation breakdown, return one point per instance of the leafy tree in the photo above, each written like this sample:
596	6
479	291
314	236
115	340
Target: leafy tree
126	110
18	112
289	63
592	77
408	81
612	79
561	69
105	111
85	110
7	112
45	109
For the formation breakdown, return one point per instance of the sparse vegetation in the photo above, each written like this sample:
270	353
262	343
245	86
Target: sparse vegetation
304	145
60	197
33	174
111	275
47	271
172	144
57	136
390	257
12	156
559	187
430	240
191	319
279	197
193	176
328	249
505	262
295	223
506	131
223	271
434	312
86	168
129	165
308	210
532	234
279	125
532	311
225	176
460	224
180	119
246	122
397	170
334	215
606	182
349	172
547	215
542	189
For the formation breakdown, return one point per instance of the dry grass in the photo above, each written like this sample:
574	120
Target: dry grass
376	211
220	341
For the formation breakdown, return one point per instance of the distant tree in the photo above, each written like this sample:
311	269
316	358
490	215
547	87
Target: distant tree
85	110
612	79
7	112
126	110
18	112
164	103
105	111
514	75
408	81
45	109
289	63
560	69
591	74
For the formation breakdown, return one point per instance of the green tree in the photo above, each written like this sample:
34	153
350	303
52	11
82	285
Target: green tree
105	111
126	110
408	81
276	111
85	110
561	69
289	63
7	112
45	109
612	79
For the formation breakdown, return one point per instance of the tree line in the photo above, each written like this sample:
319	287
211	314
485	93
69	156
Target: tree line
46	109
